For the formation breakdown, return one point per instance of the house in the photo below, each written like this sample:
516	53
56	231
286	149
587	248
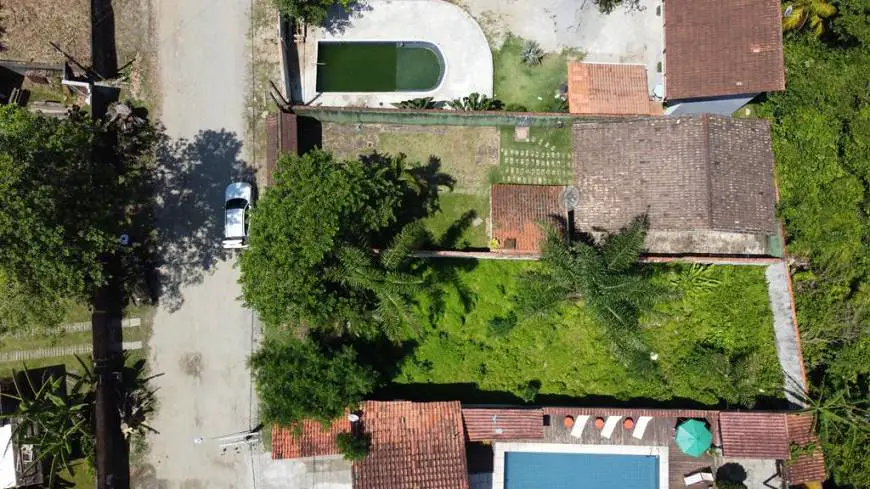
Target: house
446	445
719	55
704	181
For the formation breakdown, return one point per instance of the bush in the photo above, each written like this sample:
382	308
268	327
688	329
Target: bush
726	484
532	54
353	447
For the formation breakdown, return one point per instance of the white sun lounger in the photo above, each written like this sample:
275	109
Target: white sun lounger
640	427
692	479
609	426
579	424
707	476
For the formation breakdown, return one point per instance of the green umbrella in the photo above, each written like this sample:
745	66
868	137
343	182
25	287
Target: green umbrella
693	437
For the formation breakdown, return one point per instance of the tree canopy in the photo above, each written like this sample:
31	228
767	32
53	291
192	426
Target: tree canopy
313	12
298	380
821	129
310	260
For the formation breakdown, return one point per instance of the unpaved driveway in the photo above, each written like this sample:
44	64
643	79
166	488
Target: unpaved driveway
202	334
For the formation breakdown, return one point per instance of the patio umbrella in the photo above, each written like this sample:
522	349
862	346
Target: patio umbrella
693	437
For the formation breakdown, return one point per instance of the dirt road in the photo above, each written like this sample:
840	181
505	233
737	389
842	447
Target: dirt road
202	334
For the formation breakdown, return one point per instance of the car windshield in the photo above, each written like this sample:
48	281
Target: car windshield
236	204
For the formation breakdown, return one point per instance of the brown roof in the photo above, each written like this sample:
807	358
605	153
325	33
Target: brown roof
754	435
717	48
414	445
503	424
311	439
282	137
608	89
690	173
519	210
808	467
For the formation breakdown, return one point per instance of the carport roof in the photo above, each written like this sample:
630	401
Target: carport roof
715	48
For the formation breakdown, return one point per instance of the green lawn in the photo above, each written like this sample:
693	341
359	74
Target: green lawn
712	345
461	223
533	87
545	159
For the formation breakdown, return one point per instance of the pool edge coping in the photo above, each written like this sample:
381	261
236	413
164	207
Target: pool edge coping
499	449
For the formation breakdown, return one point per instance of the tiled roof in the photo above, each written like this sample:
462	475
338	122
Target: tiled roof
754	435
690	173
414	445
808	467
519	210
718	48
607	89
503	424
282	137
309	440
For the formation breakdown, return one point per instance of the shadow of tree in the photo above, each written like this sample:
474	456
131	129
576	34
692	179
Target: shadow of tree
340	18
188	208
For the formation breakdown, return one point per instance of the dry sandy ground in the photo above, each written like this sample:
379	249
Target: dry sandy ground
202	335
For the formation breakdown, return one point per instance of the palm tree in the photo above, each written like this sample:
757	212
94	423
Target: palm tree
385	276
606	278
799	13
476	101
50	420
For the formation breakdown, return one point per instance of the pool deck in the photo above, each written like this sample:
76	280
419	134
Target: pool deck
659	435
464	49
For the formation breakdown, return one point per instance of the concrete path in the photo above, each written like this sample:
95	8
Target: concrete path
787	341
202	336
618	37
58	351
466	54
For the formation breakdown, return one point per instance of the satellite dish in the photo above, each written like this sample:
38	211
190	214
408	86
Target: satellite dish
788	11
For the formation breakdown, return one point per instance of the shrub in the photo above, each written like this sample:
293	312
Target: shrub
532	54
353	447
726	484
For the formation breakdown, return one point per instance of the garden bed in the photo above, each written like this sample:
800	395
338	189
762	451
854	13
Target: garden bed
713	345
533	87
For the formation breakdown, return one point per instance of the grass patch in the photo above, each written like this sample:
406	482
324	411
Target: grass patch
545	159
533	87
713	345
461	223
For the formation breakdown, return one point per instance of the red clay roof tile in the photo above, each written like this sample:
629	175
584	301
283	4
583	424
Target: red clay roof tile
718	48
754	435
503	424
310	440
608	89
414	445
519	210
809	467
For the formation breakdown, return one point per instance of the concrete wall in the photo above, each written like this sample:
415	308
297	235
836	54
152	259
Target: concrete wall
719	105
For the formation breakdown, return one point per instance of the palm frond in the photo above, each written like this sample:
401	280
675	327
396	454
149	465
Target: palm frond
622	250
405	241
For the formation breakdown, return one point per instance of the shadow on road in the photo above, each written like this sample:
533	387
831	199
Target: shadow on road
189	206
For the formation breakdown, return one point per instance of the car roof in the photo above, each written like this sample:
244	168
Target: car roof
234	226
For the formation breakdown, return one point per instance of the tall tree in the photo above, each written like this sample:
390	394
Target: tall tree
297	380
314	12
607	279
807	13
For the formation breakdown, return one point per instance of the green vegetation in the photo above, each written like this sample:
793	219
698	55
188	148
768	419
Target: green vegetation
531	86
821	129
545	159
417	103
714	344
810	14
532	54
297	380
353	447
313	12
475	101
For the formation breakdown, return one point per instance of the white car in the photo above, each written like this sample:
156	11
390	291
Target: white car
237	206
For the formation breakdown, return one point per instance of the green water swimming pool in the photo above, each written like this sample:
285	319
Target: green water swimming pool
378	66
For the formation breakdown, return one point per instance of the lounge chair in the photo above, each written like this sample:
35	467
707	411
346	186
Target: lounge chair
579	424
609	426
707	476
692	479
640	427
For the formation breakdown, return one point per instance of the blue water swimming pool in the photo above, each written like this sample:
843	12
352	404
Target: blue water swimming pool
528	470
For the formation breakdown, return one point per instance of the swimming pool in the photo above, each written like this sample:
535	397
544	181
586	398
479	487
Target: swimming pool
345	66
542	470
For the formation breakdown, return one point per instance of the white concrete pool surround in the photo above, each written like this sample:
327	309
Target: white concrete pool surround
463	46
499	450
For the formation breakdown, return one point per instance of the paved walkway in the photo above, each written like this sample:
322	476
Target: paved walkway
784	327
58	351
467	57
